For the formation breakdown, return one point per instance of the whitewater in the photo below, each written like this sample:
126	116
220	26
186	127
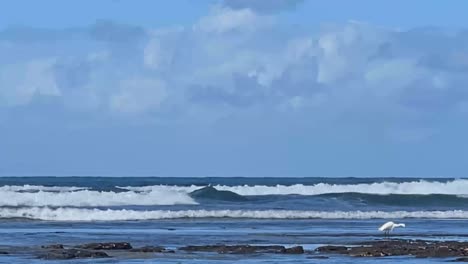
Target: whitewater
87	198
176	212
423	187
135	199
78	214
73	196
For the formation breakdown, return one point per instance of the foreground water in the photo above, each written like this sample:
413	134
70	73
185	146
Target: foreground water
175	212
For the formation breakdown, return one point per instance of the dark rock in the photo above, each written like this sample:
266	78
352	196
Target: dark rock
367	252
4	253
293	250
244	249
57	254
333	249
107	246
417	248
318	257
461	260
236	249
443	251
53	246
149	249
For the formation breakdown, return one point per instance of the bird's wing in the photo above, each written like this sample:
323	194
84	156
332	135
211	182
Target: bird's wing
386	226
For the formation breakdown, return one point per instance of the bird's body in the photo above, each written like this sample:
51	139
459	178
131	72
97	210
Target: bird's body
389	226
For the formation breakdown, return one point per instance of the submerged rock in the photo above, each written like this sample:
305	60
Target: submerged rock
58	254
454	250
244	249
152	249
293	250
333	249
417	248
53	246
107	246
318	257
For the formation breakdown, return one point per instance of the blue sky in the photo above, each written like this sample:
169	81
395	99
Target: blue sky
398	13
234	88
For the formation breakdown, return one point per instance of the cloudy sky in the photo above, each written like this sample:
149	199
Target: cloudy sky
234	88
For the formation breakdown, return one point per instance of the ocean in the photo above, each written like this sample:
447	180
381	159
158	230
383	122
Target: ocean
175	212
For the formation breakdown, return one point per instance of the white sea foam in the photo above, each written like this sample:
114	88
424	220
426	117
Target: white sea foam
80	214
88	198
150	188
35	188
455	187
57	196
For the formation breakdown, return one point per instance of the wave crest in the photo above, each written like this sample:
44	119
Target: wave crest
81	214
88	198
37	188
423	187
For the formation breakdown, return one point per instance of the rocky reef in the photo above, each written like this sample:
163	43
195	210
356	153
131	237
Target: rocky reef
451	250
416	248
244	249
106	250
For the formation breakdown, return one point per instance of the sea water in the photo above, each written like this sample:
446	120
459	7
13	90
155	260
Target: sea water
175	212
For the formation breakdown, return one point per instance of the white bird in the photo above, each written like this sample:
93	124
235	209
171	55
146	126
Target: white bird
389	226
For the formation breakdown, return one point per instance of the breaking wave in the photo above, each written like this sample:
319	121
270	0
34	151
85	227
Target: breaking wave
411	193
81	214
37	188
422	187
89	198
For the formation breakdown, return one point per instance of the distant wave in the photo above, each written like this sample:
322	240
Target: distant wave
212	193
81	214
400	200
423	187
37	188
89	198
417	193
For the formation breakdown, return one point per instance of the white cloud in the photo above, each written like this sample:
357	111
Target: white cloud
266	6
138	95
299	103
98	56
344	51
234	60
20	82
223	20
391	76
156	56
153	55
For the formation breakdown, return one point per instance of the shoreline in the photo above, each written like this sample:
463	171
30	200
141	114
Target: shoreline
450	250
